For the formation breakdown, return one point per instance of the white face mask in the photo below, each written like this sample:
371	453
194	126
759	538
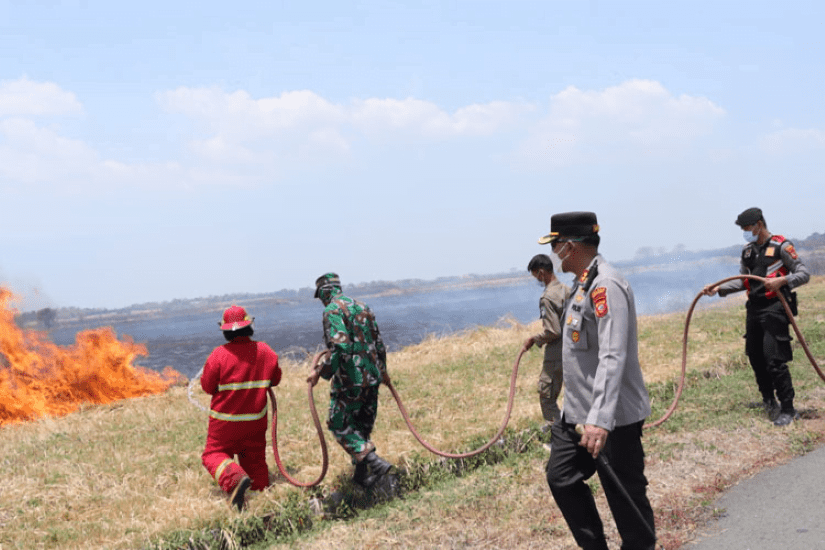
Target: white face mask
750	237
557	259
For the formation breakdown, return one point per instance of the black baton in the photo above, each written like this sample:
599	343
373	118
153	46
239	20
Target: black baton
608	469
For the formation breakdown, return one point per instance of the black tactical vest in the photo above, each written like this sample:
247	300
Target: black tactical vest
763	261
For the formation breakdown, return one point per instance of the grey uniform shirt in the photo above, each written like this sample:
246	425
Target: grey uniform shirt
602	376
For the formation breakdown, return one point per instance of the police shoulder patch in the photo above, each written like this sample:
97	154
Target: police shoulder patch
599	297
791	251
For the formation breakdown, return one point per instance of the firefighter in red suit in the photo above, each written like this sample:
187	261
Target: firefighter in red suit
237	375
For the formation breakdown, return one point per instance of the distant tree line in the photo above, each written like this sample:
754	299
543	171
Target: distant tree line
811	248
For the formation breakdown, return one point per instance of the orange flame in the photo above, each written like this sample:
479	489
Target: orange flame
39	378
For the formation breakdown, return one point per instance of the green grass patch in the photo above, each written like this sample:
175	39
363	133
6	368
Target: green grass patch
128	475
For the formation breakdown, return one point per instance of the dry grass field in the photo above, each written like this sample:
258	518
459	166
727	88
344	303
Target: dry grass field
128	474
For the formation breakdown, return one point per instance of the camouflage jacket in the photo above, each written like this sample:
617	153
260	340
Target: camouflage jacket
358	357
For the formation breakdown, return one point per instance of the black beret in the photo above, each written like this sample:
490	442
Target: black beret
571	224
749	217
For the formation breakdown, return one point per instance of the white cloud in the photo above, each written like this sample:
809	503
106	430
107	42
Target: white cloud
426	119
793	140
32	153
635	117
379	115
238	114
236	138
219	148
24	97
240	127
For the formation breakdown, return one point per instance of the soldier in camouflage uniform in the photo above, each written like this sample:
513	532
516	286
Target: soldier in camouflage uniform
356	366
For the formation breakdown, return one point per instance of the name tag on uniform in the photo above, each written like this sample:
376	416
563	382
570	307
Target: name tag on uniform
770	252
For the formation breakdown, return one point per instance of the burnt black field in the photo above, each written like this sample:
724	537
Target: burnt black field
181	334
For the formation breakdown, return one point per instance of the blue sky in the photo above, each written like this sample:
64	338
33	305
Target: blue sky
162	150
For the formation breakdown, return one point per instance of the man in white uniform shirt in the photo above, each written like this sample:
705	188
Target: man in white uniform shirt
604	393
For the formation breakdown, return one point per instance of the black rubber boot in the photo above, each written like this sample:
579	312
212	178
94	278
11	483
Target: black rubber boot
237	497
362	476
378	466
771	408
786	415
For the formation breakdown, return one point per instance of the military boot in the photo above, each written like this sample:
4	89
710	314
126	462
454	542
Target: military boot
378	466
771	408
786	415
362	476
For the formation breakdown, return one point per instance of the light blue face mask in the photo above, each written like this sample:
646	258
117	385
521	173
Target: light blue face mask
750	237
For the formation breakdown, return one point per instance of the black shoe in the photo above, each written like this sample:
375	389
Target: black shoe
378	466
239	492
785	417
771	408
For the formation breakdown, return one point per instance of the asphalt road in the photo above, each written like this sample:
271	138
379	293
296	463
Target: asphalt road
778	509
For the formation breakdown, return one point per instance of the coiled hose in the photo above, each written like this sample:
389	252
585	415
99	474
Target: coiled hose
681	385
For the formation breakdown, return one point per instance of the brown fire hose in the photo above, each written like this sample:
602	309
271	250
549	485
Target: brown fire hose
318	428
407	420
484	447
681	385
315	360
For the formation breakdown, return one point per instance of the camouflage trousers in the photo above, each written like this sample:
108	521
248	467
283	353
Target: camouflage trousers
351	419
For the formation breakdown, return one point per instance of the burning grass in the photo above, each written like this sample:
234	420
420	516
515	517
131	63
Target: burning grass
38	378
124	474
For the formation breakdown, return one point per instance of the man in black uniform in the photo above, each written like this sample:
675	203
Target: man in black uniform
767	338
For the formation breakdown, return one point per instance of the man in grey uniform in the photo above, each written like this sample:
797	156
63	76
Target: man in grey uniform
605	393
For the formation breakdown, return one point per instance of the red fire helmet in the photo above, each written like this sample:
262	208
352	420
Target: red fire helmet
235	318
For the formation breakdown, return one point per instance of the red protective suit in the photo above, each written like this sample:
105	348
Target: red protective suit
237	376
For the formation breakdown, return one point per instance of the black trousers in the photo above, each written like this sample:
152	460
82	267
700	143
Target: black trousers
768	346
570	465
